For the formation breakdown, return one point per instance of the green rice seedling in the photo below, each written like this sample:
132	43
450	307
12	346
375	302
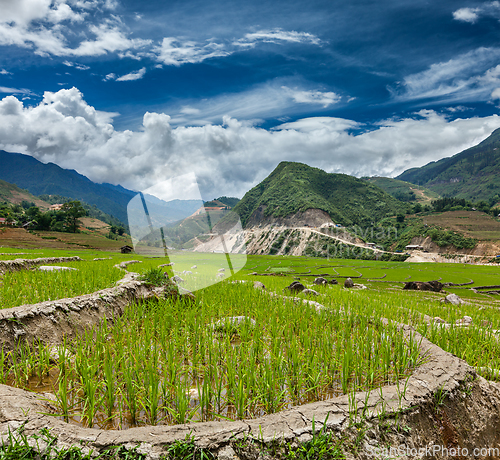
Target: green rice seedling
62	394
3	366
110	385
131	396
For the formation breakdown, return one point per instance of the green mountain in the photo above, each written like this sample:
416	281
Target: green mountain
294	187
403	191
471	174
11	193
49	179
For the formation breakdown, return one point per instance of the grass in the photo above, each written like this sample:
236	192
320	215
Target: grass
33	286
164	363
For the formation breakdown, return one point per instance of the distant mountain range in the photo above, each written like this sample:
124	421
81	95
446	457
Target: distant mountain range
295	188
472	174
48	178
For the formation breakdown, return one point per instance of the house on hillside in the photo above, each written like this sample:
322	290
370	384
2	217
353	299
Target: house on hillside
4	221
414	247
55	207
126	249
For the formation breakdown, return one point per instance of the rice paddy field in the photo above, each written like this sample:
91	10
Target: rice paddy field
238	352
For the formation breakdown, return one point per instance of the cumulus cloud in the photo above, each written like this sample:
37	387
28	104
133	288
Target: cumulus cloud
466	15
471	15
5	72
228	158
470	76
133	75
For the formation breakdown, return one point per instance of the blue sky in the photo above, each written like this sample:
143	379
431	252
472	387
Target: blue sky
137	92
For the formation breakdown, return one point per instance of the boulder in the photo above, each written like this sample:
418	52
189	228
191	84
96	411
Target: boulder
333	282
348	283
320	280
296	287
309	292
259	285
453	299
177	279
193	267
221	270
434	286
232	323
55	268
465	321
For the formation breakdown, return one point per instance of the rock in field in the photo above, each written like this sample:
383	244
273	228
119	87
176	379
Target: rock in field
55	268
259	285
309	292
348	283
232	323
320	280
434	286
333	282
465	321
453	299
295	287
177	279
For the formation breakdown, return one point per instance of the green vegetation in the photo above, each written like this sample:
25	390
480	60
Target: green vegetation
92	210
471	174
30	216
403	191
175	364
294	187
33	286
169	361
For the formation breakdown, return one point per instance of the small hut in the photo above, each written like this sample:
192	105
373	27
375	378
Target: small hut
126	249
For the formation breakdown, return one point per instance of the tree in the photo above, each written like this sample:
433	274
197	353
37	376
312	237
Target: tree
72	211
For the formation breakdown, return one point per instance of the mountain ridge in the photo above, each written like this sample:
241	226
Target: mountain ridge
471	174
296	187
50	179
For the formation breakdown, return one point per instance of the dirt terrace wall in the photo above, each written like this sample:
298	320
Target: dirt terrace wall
23	264
469	418
51	321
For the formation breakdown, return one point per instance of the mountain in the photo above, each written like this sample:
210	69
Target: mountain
12	194
295	189
40	178
403	191
471	174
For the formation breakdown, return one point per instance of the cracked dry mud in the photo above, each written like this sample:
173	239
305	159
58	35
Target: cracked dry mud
393	416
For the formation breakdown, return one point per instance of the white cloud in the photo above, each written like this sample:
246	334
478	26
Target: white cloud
495	94
470	76
5	72
4	89
109	76
228	158
133	75
466	15
175	52
44	26
267	100
313	97
277	36
471	15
